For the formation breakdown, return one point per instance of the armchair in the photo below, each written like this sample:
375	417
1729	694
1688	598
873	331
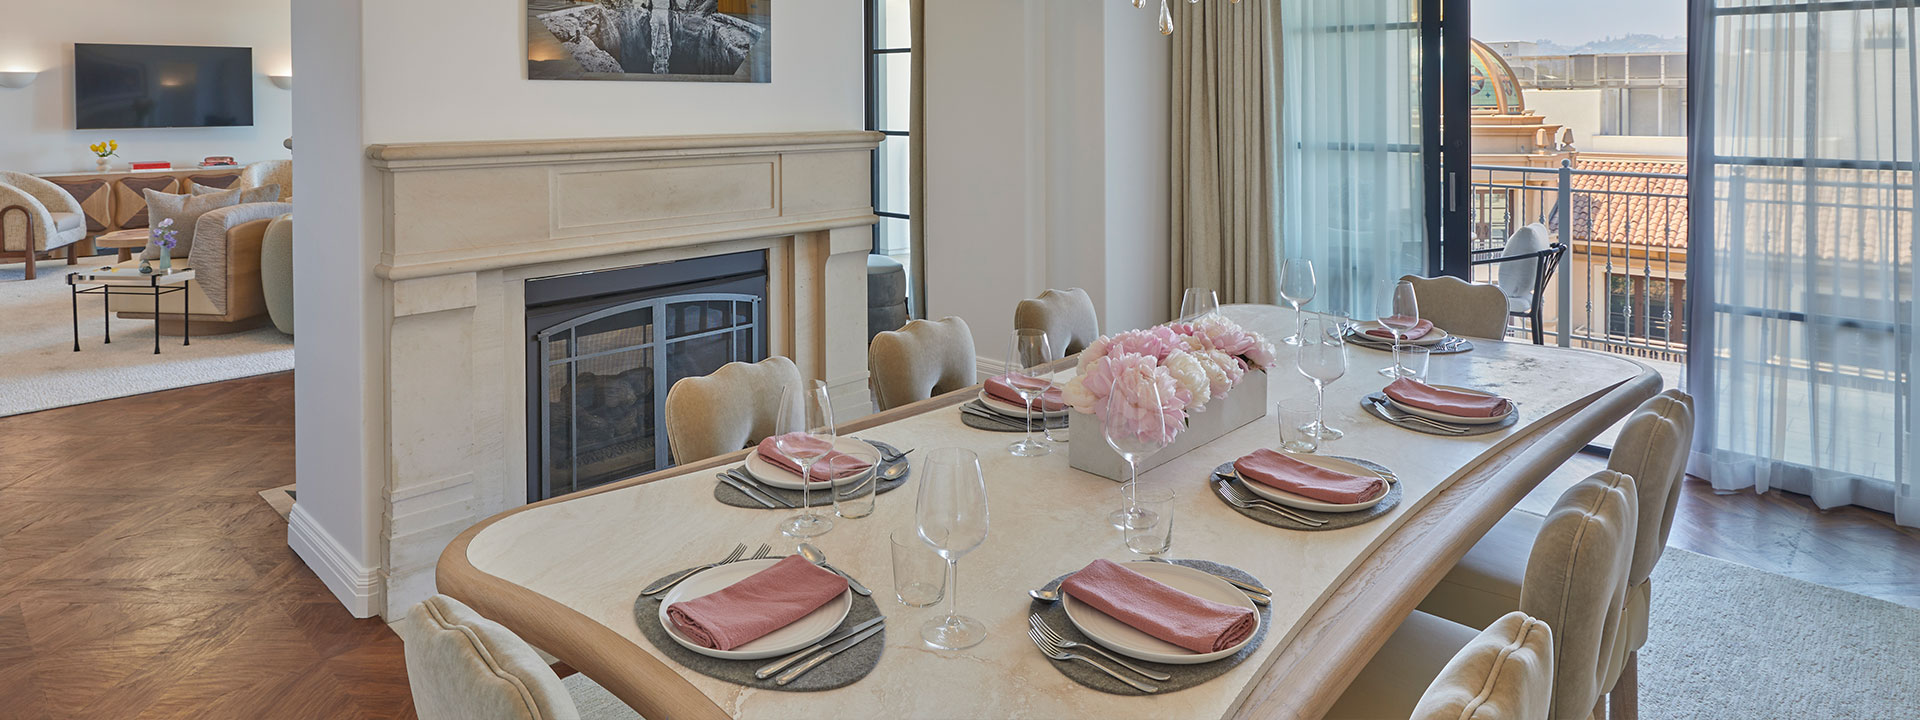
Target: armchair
36	216
1526	267
226	294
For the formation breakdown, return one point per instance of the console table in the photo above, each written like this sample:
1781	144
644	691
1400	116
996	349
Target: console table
116	199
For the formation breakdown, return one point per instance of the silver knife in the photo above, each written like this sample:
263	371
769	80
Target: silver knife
827	654
744	490
751	481
778	665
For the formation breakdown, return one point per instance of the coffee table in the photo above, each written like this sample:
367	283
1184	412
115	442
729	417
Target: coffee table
126	241
112	280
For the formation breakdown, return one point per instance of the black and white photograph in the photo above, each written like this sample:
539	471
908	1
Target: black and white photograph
670	40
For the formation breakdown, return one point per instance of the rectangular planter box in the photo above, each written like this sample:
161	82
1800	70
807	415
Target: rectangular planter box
1089	450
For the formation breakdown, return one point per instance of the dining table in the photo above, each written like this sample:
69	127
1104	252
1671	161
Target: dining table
564	573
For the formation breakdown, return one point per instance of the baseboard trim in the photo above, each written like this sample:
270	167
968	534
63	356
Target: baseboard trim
356	586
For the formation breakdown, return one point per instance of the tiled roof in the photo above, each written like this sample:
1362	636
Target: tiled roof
1628	211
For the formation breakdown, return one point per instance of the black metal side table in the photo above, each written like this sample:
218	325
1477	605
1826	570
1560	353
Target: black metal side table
117	280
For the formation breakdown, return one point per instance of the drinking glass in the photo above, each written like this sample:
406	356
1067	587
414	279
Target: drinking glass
1198	302
1026	372
854	499
1295	419
1323	359
1414	359
1152	533
805	436
1404	315
952	519
1135	440
919	574
1297	287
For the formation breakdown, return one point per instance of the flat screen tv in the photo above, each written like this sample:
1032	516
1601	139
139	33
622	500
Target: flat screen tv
161	86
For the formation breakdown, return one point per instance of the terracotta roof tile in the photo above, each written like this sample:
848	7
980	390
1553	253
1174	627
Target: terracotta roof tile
1649	212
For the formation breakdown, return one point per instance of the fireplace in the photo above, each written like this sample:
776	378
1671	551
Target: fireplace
605	346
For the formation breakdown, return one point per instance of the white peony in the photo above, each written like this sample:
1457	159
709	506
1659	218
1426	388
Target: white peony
1190	374
1076	394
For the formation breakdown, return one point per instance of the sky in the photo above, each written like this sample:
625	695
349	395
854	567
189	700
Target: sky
1573	22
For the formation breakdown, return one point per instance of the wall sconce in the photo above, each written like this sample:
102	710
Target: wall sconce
18	78
284	82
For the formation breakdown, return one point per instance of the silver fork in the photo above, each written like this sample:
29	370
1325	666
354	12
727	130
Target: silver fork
661	586
1065	644
1233	495
1058	654
762	553
1397	416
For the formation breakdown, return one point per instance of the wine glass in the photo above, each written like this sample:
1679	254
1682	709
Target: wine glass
1135	440
1198	302
951	515
1323	359
1297	287
805	435
1026	372
1401	319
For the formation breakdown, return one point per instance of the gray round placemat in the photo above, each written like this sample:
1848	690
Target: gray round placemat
839	671
1374	404
1010	425
1184	676
726	494
1334	521
1450	346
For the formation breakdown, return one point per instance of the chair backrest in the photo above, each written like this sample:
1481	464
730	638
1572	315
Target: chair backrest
923	359
1516	279
465	667
269	172
732	408
1460	307
1066	316
1504	673
1653	448
1576	582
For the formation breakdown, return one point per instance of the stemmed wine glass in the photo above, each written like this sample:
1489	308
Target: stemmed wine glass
952	518
1135	439
1323	359
1198	302
1026	370
1297	287
1404	316
805	436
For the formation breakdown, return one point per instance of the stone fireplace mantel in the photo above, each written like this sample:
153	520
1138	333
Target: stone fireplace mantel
467	223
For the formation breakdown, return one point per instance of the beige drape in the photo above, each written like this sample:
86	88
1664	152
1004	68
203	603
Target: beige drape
1225	202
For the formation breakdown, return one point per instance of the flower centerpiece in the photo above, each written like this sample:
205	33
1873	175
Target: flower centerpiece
103	150
165	237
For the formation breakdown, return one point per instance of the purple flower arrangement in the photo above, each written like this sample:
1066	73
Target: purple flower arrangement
164	234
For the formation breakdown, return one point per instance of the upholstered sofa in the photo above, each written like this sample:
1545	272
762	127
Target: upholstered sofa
36	217
226	294
268	172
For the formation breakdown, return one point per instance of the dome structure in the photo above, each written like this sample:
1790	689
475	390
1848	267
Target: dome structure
1495	90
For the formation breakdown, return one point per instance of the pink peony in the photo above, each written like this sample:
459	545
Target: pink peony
1144	402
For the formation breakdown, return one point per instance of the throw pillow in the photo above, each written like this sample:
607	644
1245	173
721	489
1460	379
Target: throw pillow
185	210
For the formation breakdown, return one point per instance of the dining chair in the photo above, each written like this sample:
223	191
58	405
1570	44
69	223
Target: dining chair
462	666
734	407
923	359
1526	266
1460	307
1066	316
1504	672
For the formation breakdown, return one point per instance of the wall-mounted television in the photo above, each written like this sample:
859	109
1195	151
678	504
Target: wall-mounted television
161	86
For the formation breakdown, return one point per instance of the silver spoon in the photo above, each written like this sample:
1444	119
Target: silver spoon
815	556
1045	595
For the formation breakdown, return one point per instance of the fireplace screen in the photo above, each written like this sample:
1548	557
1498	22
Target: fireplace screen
604	378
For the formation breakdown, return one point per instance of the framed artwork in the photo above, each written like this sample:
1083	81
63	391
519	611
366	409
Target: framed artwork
670	40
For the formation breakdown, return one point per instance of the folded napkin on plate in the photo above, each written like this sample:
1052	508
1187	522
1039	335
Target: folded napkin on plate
1147	605
1420	330
759	604
833	466
1275	470
1002	389
1411	392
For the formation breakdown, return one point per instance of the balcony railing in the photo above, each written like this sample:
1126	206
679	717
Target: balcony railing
1621	286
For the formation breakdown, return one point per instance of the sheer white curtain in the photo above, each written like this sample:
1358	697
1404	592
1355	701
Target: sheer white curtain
1350	155
1813	116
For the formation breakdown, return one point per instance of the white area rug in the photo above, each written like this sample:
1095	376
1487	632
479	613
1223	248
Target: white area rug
40	370
1729	641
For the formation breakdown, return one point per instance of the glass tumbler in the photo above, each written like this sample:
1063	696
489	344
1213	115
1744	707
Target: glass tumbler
1151	533
854	499
919	573
1295	417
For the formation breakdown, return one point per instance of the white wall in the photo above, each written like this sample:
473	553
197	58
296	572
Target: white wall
36	122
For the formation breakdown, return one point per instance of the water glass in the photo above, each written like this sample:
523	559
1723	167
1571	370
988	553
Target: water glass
854	497
1413	361
1151	532
1297	287
1296	420
919	574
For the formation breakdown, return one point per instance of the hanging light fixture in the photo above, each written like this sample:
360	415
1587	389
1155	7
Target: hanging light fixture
1166	14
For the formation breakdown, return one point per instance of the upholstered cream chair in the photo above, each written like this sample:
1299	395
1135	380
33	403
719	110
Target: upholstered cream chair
269	172
1502	673
732	408
923	359
1460	307
276	272
37	216
1066	316
466	667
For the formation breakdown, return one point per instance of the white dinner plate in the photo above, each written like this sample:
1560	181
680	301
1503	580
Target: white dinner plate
1305	503
1017	412
1433	337
1122	638
1455	419
780	477
808	630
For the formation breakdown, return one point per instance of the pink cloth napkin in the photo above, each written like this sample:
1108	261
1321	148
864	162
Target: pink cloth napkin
1408	391
1275	470
1420	330
1147	605
1002	388
833	466
759	604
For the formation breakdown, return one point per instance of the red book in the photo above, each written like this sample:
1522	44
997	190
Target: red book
153	166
